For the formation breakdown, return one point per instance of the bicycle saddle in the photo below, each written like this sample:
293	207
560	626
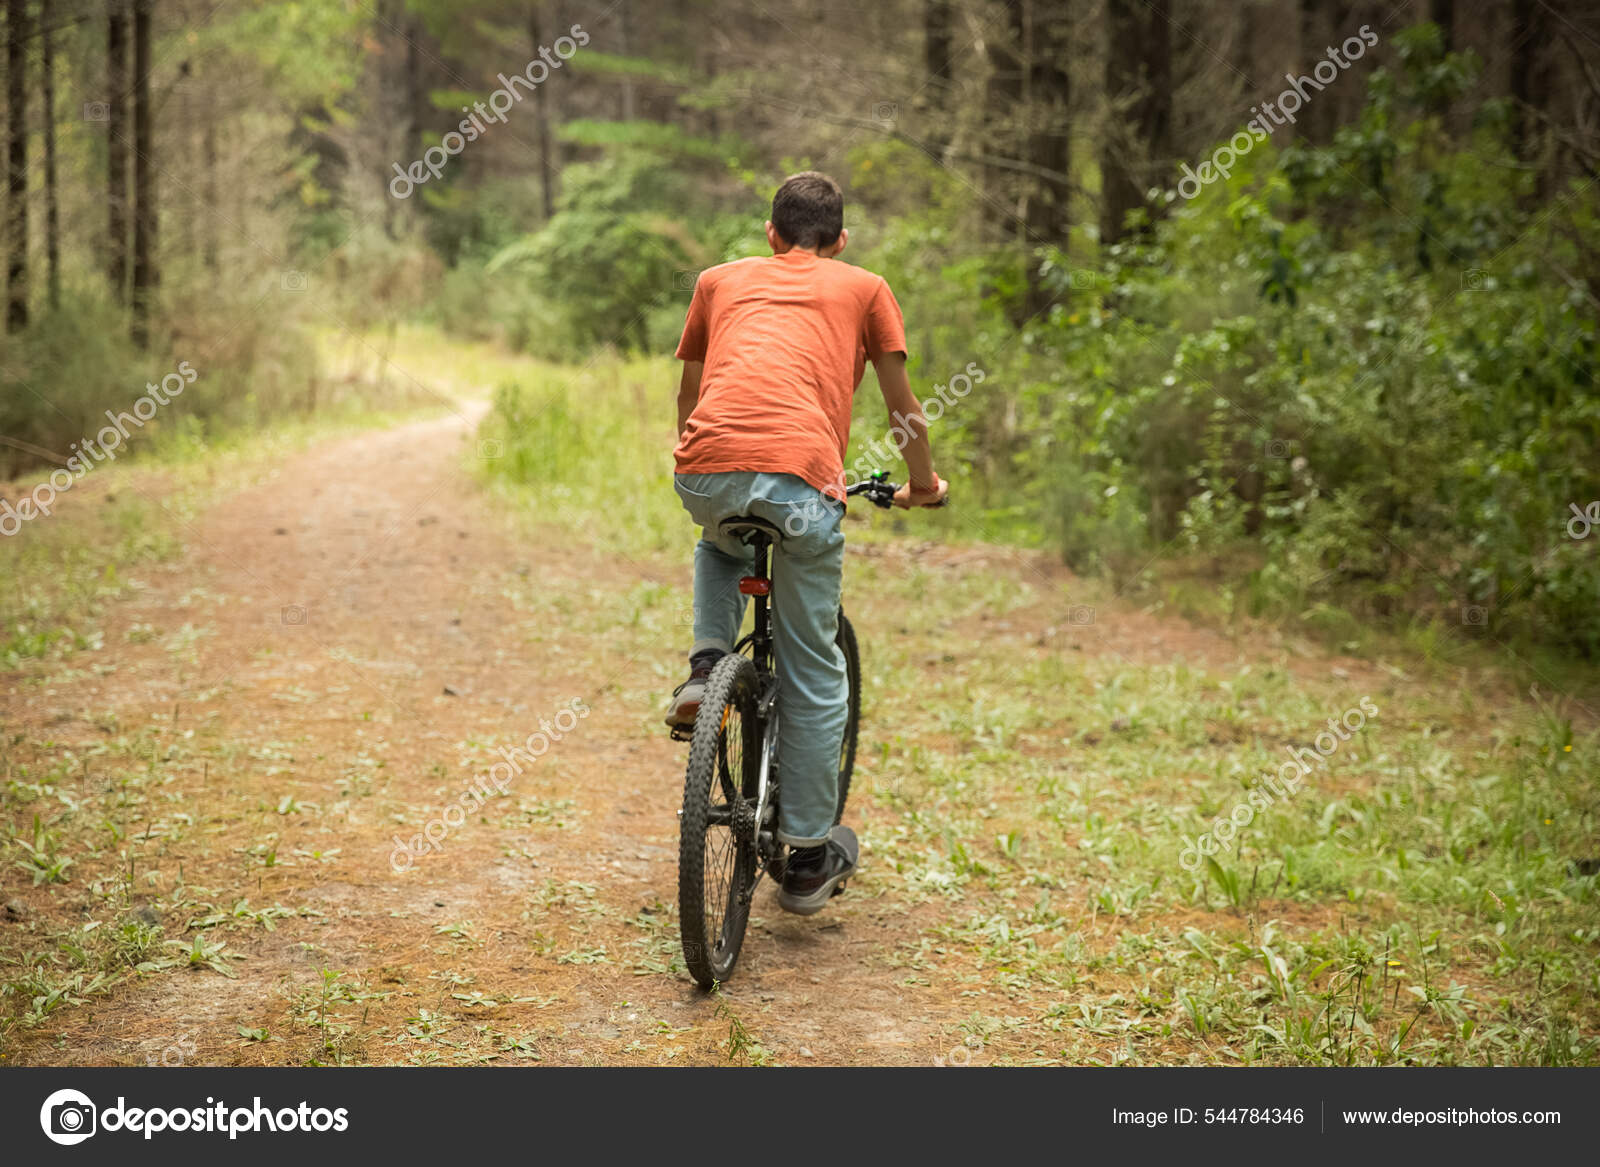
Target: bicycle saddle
741	527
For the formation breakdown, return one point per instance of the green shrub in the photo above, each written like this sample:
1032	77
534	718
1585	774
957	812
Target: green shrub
1354	360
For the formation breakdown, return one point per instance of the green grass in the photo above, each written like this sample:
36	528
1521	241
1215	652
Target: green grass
1024	789
1414	902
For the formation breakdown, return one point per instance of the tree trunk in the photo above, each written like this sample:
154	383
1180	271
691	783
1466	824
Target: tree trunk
1443	14
1528	81
1244	45
1138	139
1002	97
386	85
145	276
708	70
208	149
52	215
936	60
624	47
1316	122
16	165
541	109
1046	207
413	93
117	148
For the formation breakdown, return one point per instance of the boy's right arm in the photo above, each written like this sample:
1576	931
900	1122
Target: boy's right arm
688	392
923	487
692	349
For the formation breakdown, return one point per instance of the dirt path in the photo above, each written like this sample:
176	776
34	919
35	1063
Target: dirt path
345	650
358	643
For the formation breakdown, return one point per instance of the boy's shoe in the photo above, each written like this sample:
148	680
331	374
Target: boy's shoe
686	698
816	874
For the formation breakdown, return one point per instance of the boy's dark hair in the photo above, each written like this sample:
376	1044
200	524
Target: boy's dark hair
808	210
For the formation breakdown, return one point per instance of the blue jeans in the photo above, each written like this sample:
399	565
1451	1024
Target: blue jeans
807	566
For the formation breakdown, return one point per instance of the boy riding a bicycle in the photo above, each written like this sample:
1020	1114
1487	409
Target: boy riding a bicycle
772	351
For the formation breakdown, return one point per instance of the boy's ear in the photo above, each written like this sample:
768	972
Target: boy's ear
774	240
838	246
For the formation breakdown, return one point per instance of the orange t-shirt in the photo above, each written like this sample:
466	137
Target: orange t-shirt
785	339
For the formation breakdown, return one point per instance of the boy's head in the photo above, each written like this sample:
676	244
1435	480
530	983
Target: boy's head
808	213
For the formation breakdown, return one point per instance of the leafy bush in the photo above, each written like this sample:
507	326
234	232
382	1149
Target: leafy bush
617	260
1391	411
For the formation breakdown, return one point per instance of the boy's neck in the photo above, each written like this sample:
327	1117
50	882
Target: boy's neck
781	246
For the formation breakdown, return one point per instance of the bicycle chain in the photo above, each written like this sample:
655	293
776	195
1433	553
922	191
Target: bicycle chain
744	821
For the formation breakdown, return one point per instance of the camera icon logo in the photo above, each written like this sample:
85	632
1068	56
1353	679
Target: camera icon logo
1082	279
684	280
1475	616
68	1117
1080	614
294	281
491	448
1474	279
293	615
96	111
1278	448
885	111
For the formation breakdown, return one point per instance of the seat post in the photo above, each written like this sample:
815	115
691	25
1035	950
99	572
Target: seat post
757	534
762	545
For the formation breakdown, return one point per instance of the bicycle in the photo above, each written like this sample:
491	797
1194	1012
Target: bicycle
728	823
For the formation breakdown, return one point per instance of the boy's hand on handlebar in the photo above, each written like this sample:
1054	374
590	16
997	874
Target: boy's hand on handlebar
907	498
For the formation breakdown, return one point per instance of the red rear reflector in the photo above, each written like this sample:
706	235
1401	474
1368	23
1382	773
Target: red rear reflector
752	586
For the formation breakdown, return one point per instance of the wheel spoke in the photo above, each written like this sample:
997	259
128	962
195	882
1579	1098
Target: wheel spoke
722	847
715	877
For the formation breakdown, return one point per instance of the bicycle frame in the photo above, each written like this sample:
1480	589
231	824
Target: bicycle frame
758	585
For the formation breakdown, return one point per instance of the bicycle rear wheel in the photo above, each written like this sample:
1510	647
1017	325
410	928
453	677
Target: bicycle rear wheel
717	867
846	641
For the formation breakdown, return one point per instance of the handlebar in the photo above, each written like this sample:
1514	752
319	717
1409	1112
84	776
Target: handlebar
879	491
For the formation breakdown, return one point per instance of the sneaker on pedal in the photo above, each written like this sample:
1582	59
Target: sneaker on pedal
814	875
686	698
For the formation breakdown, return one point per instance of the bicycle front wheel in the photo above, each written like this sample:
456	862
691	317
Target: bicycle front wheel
717	866
846	641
